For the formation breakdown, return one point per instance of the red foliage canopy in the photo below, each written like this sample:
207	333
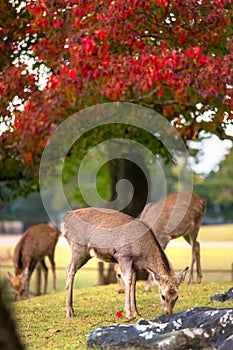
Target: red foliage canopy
173	56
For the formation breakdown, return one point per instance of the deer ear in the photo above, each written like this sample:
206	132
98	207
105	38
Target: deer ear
156	277
10	276
181	276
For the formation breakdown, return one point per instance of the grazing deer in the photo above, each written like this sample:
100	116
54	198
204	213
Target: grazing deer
185	208
35	244
189	209
116	237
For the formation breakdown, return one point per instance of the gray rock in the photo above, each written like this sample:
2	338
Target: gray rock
196	328
227	344
223	296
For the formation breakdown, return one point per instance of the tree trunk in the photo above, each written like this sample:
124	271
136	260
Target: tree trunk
139	178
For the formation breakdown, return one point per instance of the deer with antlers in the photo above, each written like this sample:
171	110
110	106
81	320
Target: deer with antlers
35	244
113	236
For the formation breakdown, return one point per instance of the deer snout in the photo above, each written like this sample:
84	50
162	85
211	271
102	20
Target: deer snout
168	310
168	304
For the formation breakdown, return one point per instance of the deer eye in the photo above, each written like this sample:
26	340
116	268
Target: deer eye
163	297
176	298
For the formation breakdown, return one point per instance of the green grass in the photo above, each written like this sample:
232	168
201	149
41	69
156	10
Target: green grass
42	323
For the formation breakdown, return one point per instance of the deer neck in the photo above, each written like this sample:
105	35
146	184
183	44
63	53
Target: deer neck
159	265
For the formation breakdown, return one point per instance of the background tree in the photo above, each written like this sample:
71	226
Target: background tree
172	56
218	192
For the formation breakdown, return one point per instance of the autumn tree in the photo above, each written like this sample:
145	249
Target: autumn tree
174	57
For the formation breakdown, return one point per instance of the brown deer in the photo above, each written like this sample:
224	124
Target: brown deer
35	244
113	236
186	213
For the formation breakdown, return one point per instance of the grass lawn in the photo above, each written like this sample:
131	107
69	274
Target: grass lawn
42	323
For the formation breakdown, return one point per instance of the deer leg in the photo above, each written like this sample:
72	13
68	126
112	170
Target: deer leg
37	279
198	262
190	280
25	293
129	279
192	243
133	305
127	298
70	273
148	283
27	275
45	271
79	258
53	265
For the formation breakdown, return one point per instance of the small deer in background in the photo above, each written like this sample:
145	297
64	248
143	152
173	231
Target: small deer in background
157	216
113	236
35	244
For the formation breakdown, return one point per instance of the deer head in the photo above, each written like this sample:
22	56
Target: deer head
168	289
19	283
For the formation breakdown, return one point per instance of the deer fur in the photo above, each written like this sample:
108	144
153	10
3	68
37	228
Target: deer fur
116	237
157	216
35	244
188	227
121	285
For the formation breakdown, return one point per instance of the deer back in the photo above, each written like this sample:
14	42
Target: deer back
36	243
98	227
114	235
172	216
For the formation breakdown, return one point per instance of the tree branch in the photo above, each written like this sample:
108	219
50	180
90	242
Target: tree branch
222	135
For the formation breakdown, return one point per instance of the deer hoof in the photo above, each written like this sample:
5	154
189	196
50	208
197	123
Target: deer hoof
130	317
120	291
70	312
190	281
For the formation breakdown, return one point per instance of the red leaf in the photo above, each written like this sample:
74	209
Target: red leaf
72	73
194	52
119	314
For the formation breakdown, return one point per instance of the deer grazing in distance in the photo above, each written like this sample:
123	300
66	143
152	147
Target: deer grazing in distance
189	210
35	244
112	236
